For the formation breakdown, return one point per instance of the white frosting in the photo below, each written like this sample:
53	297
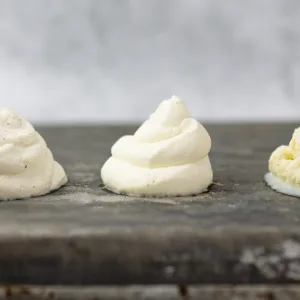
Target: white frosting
284	166
168	155
27	167
280	186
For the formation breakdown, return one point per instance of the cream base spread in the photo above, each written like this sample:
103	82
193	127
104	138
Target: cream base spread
167	156
281	187
27	167
284	166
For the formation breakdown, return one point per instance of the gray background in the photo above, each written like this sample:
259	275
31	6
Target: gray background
115	60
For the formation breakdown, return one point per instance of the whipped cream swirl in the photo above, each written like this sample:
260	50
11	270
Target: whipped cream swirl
167	156
284	166
27	167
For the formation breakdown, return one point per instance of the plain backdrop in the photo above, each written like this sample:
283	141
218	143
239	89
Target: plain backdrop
115	60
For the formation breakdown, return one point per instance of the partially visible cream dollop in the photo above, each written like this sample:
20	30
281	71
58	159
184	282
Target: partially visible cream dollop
27	167
167	156
284	166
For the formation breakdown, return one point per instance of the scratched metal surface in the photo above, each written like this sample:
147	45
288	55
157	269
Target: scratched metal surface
239	232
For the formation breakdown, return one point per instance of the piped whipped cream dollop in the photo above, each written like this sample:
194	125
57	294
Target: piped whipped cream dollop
167	156
27	167
284	167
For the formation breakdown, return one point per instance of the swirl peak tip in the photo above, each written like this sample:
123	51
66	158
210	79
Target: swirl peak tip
8	118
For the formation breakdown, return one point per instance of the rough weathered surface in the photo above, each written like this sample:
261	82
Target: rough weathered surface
239	232
148	292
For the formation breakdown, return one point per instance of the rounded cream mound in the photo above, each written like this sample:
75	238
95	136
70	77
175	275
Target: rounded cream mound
284	166
167	156
27	167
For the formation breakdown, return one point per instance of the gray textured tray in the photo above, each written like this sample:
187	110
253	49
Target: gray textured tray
239	232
